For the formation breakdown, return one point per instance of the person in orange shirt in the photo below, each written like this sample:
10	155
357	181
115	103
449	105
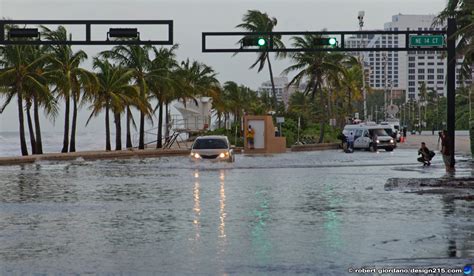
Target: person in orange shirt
250	137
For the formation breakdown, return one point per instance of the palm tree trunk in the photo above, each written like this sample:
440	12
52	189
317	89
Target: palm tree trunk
128	136
39	141
107	129
66	127
159	136
24	149
329	105
72	147
118	132
167	130
225	120
275	103
321	126
141	139
219	119
30	128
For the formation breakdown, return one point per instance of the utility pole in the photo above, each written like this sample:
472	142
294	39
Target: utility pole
385	60
376	114
391	91
451	83
360	16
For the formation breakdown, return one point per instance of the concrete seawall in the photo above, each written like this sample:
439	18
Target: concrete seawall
311	147
92	155
124	154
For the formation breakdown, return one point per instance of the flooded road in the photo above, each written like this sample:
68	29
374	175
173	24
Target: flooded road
311	213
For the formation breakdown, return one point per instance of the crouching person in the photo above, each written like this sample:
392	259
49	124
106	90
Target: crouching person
426	155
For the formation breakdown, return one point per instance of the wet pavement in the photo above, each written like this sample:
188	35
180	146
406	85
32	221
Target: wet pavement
306	213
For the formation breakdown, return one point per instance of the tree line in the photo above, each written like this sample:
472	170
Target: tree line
131	77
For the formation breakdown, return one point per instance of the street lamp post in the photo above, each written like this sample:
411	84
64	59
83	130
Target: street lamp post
360	17
384	58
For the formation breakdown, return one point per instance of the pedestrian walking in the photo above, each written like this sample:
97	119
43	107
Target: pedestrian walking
350	142
374	141
447	151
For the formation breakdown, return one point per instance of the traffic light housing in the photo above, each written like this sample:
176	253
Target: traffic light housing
327	41
255	41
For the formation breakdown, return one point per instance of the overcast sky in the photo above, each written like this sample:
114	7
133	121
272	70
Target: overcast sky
191	17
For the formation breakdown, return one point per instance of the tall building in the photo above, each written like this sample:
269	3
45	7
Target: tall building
283	91
405	70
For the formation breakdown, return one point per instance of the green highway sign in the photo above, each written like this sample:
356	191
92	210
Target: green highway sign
426	40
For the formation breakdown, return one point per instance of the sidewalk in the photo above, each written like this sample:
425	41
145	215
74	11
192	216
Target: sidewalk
462	143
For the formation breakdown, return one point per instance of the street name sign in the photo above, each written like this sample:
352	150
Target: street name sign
426	40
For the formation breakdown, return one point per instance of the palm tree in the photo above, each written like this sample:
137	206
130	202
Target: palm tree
69	79
194	79
256	21
315	67
423	94
220	105
134	57
42	97
237	97
114	94
16	76
162	83
351	82
462	11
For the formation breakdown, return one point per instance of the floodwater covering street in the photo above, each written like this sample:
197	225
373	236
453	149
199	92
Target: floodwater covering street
314	213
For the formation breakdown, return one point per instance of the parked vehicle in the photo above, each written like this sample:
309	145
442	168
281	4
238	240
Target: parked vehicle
216	148
392	131
395	123
364	134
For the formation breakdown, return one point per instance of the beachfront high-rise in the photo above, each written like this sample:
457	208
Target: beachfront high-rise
282	89
405	70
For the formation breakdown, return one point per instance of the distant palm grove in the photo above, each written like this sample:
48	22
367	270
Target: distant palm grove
51	79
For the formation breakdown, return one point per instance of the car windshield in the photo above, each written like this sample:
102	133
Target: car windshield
378	132
209	143
389	131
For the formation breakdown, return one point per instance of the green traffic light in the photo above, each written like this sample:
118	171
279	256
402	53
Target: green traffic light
332	41
261	42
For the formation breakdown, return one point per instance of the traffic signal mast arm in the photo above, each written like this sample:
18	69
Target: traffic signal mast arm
334	39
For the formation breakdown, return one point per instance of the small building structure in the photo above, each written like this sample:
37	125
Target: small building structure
265	140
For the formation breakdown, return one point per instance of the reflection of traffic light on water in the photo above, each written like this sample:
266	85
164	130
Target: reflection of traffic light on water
467	270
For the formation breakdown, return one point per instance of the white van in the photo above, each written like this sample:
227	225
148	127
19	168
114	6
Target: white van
363	136
395	125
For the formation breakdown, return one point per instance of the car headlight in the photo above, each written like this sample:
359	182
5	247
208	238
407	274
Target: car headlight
196	155
377	141
222	155
391	141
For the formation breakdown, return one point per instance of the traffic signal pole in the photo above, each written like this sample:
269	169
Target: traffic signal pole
415	40
451	84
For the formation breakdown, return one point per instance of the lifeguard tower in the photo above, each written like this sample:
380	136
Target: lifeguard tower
194	118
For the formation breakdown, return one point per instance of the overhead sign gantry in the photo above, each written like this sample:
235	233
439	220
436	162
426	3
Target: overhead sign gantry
415	40
31	36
